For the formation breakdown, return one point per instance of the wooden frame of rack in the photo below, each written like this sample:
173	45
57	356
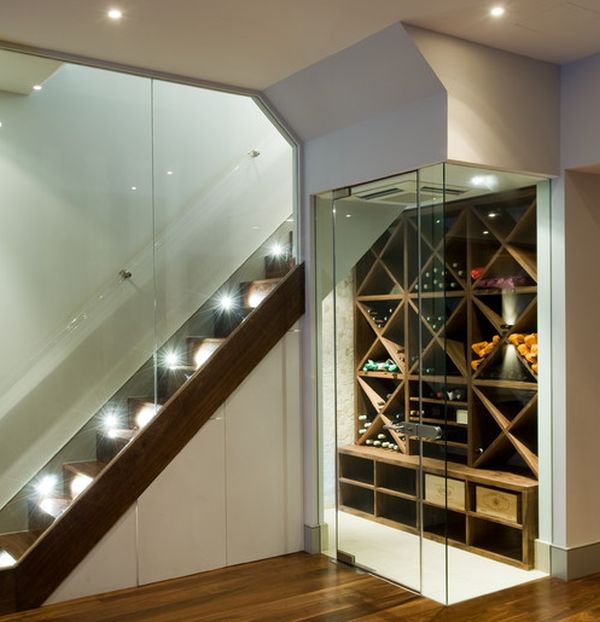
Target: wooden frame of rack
483	252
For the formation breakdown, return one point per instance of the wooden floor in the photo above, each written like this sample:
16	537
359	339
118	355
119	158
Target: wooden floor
311	588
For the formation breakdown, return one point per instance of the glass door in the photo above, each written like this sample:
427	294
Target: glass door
389	385
436	438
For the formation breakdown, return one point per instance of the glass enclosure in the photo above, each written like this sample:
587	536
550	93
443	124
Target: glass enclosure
428	378
142	221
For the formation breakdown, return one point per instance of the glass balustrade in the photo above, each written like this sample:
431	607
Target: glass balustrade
142	222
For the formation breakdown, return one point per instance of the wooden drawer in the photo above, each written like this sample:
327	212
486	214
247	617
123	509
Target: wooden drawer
497	503
437	488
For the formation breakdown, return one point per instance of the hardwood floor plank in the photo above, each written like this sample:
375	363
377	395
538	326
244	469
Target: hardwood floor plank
305	588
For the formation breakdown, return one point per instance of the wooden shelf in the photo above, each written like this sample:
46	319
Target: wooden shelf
400	509
431	400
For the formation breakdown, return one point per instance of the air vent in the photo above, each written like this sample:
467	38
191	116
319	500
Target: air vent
382	193
448	190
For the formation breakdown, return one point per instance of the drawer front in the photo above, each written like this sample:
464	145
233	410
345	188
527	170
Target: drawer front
438	488
497	503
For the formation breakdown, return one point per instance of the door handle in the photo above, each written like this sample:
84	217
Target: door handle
418	430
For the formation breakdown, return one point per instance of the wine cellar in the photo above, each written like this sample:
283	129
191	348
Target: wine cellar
445	333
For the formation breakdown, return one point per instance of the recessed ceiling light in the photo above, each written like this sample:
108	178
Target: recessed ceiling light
486	232
169	172
348	215
115	14
134	187
497	11
0	123
37	87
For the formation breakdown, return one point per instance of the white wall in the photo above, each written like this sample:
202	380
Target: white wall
503	109
576	224
69	156
582	430
372	110
232	495
580	105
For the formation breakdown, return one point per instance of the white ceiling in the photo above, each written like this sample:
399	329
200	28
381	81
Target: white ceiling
255	43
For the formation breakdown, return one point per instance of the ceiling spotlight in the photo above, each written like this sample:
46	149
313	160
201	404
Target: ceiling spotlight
134	188
226	302
46	485
348	215
169	172
484	181
492	215
497	11
486	232
37	87
115	14
0	123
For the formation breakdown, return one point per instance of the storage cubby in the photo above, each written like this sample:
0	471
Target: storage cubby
357	469
445	523
357	498
397	478
446	335
495	538
396	509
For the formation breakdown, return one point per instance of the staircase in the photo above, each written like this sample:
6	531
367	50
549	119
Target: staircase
71	505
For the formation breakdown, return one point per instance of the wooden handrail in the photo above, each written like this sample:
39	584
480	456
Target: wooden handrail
64	545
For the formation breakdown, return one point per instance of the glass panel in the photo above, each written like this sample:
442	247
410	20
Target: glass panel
496	248
149	220
378	468
224	225
434	321
78	292
438	386
325	322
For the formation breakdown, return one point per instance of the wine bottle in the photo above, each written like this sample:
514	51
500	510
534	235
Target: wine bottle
362	417
368	442
376	443
381	437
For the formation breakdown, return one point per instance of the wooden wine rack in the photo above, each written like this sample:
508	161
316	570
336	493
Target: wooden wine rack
474	277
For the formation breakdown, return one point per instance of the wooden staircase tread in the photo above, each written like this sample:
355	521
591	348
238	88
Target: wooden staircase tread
17	542
90	468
